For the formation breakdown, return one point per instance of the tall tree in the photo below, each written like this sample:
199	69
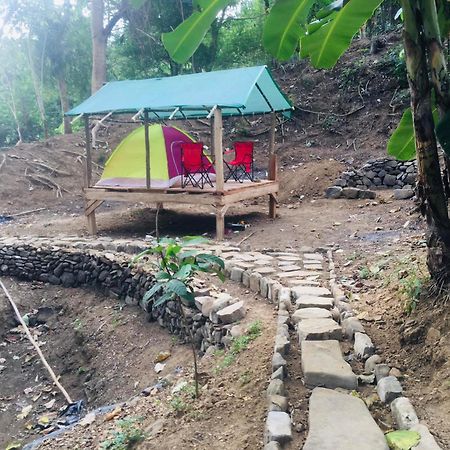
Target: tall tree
325	39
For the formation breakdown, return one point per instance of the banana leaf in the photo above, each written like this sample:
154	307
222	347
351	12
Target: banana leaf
402	145
330	41
443	133
182	42
284	26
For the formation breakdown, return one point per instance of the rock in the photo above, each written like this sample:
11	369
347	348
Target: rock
154	428
217	305
433	336
333	192
427	441
276	387
277	362
236	274
394	372
307	301
67	279
310	313
318	329
323	365
284	295
388	389
363	346
232	313
278	403
255	281
371	362
179	386
350	192
236	331
367	193
341	422
278	374
404	414
381	371
389	180
366	379
278	427
300	291
350	326
403	194
159	367
282	345
272	446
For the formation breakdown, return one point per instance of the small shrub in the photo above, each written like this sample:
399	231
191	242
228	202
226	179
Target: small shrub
127	437
178	404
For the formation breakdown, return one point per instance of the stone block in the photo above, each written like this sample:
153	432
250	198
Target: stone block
318	329
388	389
282	344
236	274
404	413
278	403
381	371
272	446
308	301
278	427
276	387
350	192
278	374
341	422
300	291
333	192
403	194
232	313
363	346
371	362
323	365
278	361
310	313
255	278
427	441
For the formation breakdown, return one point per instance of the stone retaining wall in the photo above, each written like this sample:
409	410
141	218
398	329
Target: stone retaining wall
380	173
114	277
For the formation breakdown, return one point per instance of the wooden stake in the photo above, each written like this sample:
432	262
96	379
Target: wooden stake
147	151
35	345
218	152
273	166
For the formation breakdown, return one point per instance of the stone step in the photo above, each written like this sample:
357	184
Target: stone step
318	329
310	313
300	291
341	422
323	365
308	301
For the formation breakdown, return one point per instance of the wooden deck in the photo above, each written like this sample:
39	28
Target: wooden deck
232	192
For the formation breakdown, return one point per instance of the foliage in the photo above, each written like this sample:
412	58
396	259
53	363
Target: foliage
127	437
177	267
178	404
402	439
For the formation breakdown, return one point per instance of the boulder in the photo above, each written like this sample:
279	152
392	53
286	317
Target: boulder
232	313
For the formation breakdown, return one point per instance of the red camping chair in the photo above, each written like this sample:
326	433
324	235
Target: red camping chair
241	167
195	165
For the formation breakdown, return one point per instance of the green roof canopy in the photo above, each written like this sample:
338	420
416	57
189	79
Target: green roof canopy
250	90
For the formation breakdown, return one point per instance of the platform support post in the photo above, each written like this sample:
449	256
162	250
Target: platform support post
90	214
273	166
147	151
220	222
218	150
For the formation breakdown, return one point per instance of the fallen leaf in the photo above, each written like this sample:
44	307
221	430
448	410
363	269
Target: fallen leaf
159	367
49	405
162	356
43	421
402	439
25	411
114	413
13	446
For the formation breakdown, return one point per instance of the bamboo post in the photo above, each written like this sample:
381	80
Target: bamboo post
273	166
35	345
147	151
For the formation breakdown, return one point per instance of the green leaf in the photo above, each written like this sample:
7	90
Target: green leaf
151	292
163	299
177	287
162	276
330	41
211	259
329	9
140	255
402	145
194	240
316	24
185	39
402	439
284	26
184	272
443	133
172	249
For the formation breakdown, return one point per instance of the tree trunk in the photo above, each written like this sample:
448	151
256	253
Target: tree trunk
430	181
99	40
64	100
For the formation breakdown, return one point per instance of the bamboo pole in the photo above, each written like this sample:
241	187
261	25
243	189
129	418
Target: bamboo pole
147	151
35	345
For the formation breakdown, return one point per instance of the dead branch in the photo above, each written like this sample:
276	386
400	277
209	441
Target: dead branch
15	156
310	111
36	345
24	213
52	170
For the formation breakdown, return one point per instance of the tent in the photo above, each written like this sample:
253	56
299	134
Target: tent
126	165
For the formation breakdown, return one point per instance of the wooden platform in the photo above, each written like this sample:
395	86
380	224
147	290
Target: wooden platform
232	192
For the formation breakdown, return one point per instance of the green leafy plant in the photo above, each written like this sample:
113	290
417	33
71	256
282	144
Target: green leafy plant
178	404
126	437
177	268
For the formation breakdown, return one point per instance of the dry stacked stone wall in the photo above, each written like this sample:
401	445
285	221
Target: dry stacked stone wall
379	173
112	277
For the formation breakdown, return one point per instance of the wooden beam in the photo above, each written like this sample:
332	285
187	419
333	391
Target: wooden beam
273	166
88	162
147	151
218	151
91	206
91	223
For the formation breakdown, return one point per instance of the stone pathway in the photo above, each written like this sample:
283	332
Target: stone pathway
302	286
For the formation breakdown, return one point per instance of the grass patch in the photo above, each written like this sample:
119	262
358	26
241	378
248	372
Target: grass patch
126	437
